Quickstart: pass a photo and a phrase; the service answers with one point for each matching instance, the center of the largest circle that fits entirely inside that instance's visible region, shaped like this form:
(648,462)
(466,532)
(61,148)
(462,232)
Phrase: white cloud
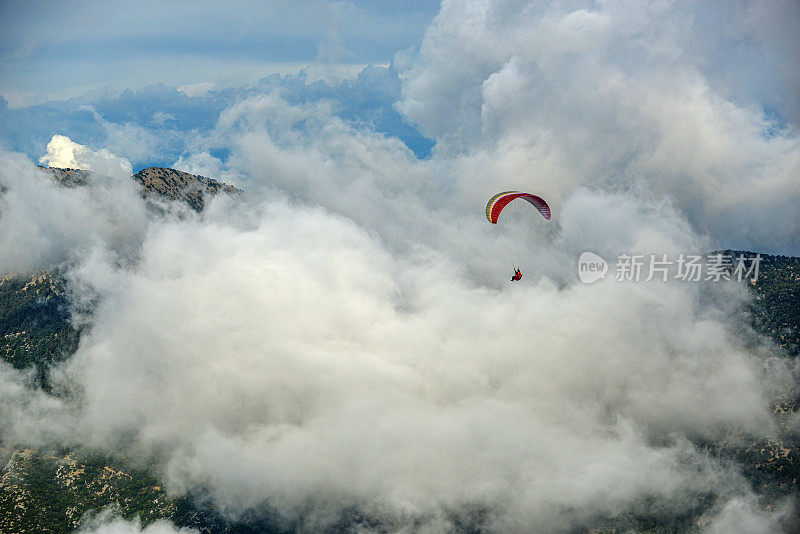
(43,224)
(551,96)
(197,89)
(289,356)
(64,153)
(129,139)
(204,164)
(310,154)
(107,522)
(743,515)
(335,357)
(29,417)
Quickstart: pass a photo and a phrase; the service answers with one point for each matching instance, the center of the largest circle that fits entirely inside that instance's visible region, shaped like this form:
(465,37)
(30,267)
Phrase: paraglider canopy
(517,224)
(501,200)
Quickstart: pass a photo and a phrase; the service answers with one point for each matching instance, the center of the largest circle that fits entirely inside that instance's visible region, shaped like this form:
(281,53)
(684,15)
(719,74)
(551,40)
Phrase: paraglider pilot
(496,205)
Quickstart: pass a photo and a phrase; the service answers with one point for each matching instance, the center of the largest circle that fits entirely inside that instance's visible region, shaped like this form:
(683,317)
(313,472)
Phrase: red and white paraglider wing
(501,200)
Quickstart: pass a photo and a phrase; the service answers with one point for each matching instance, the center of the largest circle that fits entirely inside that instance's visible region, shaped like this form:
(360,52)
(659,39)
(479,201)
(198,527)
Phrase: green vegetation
(35,330)
(776,307)
(52,493)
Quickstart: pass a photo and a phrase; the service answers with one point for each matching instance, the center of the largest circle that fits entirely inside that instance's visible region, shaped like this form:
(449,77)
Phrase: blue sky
(54,50)
(76,67)
(172,116)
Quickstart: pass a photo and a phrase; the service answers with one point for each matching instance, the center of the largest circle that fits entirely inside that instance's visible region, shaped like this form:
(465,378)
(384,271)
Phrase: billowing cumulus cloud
(285,355)
(343,337)
(296,355)
(64,153)
(309,153)
(43,224)
(558,94)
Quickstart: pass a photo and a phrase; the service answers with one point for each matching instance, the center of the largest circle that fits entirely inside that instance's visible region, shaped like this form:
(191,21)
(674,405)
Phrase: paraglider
(516,224)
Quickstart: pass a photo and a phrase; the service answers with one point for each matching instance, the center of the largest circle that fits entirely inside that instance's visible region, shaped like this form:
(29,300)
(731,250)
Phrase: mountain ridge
(163,182)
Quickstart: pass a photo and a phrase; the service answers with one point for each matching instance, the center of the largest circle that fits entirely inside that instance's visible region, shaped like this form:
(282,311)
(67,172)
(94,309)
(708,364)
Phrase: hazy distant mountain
(167,183)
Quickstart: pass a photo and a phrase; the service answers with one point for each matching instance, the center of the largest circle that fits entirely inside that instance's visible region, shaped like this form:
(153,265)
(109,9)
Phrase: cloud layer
(43,224)
(344,337)
(292,359)
(560,95)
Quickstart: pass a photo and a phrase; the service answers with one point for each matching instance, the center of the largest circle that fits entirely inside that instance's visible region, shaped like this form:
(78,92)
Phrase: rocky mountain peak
(179,185)
(160,181)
